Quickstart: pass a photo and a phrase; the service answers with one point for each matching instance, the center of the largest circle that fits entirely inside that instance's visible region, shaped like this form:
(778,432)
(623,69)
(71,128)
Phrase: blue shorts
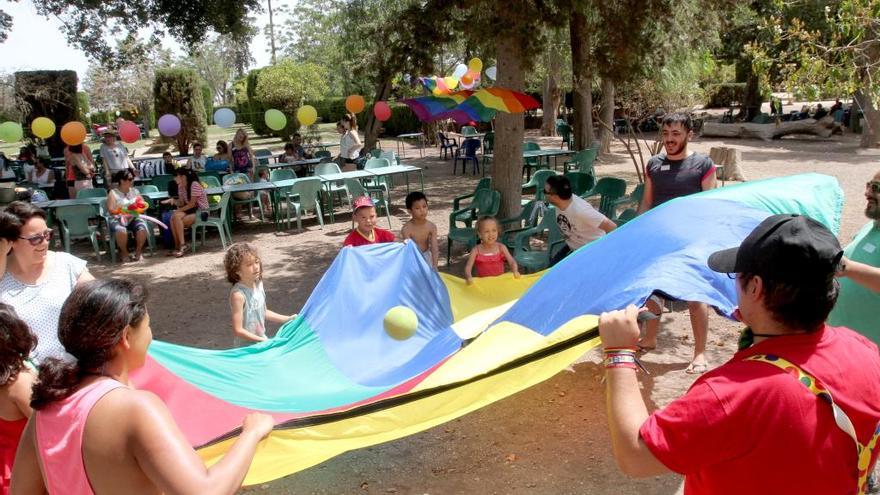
(134,224)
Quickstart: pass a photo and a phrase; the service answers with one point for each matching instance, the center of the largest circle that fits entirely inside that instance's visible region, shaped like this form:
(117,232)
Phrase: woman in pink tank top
(16,380)
(91,433)
(488,256)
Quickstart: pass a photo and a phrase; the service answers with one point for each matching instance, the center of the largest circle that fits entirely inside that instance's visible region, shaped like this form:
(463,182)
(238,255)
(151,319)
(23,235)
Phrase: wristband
(623,359)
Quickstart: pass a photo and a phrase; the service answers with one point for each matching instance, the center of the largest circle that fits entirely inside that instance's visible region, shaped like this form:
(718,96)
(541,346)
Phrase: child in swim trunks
(419,229)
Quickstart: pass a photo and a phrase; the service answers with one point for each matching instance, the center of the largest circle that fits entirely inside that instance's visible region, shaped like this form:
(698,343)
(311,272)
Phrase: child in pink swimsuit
(16,380)
(488,256)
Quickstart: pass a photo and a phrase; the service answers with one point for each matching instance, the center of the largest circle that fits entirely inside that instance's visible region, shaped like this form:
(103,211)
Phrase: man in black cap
(764,422)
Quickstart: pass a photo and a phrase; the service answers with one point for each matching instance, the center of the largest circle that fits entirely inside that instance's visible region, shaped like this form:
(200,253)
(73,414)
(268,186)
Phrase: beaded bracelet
(622,357)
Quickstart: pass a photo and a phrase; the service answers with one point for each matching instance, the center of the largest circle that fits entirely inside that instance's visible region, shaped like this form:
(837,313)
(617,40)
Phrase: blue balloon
(224,117)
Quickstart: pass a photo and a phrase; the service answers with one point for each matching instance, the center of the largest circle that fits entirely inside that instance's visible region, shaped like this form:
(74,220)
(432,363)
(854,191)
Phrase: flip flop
(697,369)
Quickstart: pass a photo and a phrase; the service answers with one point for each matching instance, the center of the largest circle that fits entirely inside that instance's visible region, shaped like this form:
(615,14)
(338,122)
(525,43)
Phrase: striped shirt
(199,193)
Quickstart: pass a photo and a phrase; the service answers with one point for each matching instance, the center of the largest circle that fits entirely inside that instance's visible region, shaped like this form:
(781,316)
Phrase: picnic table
(411,135)
(546,154)
(323,146)
(309,163)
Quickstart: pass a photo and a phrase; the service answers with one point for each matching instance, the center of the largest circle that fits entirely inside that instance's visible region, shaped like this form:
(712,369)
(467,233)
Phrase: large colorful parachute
(335,381)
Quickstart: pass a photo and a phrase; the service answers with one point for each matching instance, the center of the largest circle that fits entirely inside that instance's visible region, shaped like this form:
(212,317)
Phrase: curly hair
(16,344)
(235,256)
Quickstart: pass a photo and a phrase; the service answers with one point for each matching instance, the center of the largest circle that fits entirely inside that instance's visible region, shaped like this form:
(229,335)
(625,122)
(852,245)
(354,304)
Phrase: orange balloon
(73,133)
(467,79)
(355,103)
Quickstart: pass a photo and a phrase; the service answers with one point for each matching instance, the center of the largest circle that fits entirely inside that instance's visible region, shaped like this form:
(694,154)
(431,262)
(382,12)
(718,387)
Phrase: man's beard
(677,150)
(872,211)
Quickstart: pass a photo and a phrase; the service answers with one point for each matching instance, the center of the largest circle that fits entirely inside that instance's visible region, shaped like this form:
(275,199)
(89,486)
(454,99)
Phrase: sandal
(645,348)
(697,368)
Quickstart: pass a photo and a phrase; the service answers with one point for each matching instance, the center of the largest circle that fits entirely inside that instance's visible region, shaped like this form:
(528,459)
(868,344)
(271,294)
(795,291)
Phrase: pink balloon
(129,132)
(382,111)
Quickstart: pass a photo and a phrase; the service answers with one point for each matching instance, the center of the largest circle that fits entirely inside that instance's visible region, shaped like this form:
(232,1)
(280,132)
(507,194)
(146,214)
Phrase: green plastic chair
(377,183)
(337,188)
(582,161)
(375,153)
(468,130)
(486,202)
(147,188)
(625,216)
(277,176)
(581,182)
(263,156)
(467,217)
(564,130)
(74,222)
(255,195)
(488,148)
(537,182)
(306,191)
(162,181)
(609,190)
(323,154)
(111,238)
(534,260)
(530,164)
(357,190)
(91,193)
(216,218)
(211,181)
(527,218)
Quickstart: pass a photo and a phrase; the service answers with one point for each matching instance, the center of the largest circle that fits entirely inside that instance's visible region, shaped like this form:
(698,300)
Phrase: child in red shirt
(366,232)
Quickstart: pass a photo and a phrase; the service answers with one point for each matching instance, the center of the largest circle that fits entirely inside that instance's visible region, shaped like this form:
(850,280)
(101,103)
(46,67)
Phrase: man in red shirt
(366,231)
(764,422)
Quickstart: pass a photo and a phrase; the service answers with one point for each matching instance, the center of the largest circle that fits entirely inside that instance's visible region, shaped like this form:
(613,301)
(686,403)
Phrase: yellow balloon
(307,115)
(437,91)
(451,82)
(43,127)
(400,322)
(475,65)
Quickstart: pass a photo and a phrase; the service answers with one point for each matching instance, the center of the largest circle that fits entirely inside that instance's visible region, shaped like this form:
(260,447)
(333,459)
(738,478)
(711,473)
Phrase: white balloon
(224,117)
(491,72)
(460,70)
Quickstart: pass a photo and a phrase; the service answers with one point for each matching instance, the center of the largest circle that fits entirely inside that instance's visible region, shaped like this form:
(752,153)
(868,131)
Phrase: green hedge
(178,92)
(48,93)
(208,101)
(725,94)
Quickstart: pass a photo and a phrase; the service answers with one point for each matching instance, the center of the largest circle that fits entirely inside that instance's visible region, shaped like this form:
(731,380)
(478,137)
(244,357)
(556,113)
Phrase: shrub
(725,94)
(47,93)
(208,101)
(284,87)
(178,92)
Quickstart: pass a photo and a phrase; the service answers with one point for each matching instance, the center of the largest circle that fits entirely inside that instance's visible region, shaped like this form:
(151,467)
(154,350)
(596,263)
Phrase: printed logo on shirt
(869,248)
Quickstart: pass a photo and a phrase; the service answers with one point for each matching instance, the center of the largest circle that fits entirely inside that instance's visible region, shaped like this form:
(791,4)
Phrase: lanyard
(840,418)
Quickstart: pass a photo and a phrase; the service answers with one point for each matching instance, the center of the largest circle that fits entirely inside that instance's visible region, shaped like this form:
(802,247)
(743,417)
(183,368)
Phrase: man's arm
(647,196)
(625,407)
(607,225)
(865,275)
(710,181)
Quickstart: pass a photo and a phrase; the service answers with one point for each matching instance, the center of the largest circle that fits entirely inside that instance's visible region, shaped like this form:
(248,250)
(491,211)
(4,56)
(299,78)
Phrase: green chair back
(535,260)
(76,218)
(323,154)
(308,190)
(327,168)
(162,181)
(609,189)
(376,163)
(489,142)
(147,188)
(210,180)
(537,181)
(530,146)
(263,156)
(375,153)
(581,182)
(487,202)
(91,193)
(468,130)
(281,174)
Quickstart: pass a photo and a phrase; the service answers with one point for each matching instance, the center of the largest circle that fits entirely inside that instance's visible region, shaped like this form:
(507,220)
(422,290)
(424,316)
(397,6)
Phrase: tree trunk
(823,128)
(607,115)
(871,127)
(581,81)
(508,162)
(373,126)
(551,92)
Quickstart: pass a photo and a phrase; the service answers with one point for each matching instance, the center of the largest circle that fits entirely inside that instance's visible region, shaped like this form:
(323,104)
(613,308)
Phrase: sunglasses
(35,240)
(874,186)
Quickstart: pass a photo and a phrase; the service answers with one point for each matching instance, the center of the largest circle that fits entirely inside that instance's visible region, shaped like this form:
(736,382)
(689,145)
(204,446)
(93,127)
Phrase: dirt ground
(549,439)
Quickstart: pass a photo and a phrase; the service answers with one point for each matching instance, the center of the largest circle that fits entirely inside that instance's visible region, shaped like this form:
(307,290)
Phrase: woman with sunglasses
(122,196)
(34,280)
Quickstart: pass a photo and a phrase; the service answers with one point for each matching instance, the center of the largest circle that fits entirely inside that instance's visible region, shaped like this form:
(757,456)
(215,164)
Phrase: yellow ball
(400,322)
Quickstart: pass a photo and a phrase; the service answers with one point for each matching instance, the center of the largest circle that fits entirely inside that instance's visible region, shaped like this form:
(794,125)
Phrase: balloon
(467,80)
(400,322)
(169,125)
(43,127)
(11,132)
(475,65)
(224,117)
(355,103)
(129,131)
(73,133)
(307,115)
(492,72)
(275,119)
(450,82)
(437,91)
(459,71)
(382,111)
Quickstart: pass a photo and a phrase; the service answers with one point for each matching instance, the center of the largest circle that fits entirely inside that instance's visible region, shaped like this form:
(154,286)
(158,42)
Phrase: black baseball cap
(783,248)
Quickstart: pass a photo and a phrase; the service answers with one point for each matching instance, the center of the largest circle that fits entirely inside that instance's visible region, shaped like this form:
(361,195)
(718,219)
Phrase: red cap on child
(362,202)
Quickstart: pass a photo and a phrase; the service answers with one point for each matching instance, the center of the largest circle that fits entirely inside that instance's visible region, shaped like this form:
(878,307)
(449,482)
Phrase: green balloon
(11,132)
(275,119)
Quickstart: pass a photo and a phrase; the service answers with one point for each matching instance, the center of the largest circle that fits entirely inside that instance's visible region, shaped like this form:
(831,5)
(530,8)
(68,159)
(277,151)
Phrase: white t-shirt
(47,178)
(115,157)
(197,164)
(350,140)
(579,223)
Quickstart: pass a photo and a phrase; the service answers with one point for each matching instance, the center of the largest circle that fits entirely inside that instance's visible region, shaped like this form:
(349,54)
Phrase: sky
(37,43)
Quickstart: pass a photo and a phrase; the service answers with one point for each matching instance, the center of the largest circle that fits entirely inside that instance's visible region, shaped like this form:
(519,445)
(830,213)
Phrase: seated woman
(33,276)
(123,196)
(42,175)
(91,432)
(191,198)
